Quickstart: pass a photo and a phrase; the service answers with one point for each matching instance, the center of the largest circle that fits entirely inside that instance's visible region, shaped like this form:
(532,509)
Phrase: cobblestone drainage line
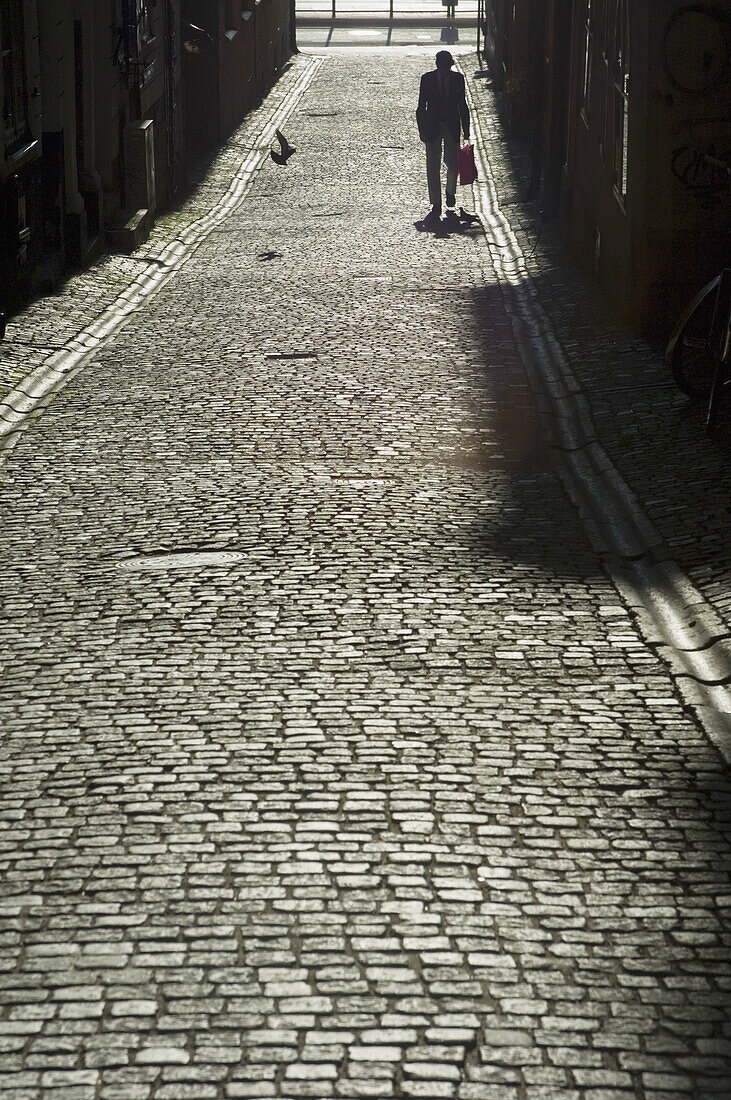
(673,615)
(27,401)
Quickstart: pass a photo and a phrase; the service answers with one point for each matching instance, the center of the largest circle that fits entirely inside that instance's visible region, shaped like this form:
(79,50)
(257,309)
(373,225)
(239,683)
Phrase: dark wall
(225,77)
(612,173)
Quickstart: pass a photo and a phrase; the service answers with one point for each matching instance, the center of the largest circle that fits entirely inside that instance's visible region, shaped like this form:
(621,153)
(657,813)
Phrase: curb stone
(672,614)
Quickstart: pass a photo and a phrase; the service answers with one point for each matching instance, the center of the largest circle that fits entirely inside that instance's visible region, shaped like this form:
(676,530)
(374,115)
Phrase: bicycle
(699,350)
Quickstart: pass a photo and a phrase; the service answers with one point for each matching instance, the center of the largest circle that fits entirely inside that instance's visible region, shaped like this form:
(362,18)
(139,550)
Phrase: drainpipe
(93,181)
(571,101)
(131,57)
(170,34)
(293,26)
(537,92)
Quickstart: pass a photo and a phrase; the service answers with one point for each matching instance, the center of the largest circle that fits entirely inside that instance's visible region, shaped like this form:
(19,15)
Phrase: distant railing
(412,9)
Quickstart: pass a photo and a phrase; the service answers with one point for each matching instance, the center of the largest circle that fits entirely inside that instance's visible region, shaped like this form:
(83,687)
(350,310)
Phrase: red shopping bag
(467,166)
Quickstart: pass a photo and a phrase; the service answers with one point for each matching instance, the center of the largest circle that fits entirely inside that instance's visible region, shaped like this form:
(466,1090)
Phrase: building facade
(625,105)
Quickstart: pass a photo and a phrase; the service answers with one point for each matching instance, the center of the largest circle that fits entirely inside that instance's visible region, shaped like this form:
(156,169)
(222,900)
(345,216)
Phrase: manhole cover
(194,559)
(292,355)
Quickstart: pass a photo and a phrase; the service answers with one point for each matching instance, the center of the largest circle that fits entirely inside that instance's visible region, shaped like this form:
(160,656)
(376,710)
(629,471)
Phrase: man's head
(444,60)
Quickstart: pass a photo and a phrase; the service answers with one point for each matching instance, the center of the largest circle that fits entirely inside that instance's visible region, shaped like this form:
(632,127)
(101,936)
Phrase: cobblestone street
(336,759)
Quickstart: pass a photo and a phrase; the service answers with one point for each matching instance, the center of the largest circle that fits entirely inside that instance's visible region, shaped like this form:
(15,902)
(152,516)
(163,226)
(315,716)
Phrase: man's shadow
(462,224)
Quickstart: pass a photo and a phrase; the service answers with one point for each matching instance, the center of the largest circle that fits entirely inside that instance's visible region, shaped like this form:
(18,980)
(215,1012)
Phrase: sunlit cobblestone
(398,803)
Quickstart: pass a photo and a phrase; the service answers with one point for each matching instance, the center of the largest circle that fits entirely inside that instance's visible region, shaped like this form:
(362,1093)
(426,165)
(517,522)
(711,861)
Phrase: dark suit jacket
(434,108)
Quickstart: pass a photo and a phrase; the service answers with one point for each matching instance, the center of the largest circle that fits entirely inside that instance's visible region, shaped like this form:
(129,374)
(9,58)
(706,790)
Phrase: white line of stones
(672,613)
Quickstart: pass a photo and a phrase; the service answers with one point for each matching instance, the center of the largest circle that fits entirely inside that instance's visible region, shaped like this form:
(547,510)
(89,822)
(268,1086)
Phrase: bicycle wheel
(692,359)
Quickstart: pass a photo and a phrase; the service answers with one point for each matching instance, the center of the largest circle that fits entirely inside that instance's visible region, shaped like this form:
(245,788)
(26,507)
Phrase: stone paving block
(241,1089)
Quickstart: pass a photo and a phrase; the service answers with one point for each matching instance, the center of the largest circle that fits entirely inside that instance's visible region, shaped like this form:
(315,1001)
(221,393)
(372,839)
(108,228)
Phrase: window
(588,56)
(15,99)
(621,96)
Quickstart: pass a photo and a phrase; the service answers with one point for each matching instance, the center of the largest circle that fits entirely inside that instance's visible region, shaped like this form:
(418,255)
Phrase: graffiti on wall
(705,173)
(697,64)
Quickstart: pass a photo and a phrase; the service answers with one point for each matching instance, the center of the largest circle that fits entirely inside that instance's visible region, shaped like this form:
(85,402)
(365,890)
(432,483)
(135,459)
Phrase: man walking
(441,111)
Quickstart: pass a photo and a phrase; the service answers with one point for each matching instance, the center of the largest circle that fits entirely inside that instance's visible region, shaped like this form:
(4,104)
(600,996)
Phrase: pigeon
(3,323)
(196,39)
(285,149)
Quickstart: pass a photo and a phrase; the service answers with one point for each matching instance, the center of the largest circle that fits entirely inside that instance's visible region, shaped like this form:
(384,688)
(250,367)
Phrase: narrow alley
(342,755)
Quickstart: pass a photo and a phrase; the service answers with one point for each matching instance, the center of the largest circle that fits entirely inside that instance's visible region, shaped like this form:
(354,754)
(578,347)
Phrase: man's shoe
(451,199)
(434,214)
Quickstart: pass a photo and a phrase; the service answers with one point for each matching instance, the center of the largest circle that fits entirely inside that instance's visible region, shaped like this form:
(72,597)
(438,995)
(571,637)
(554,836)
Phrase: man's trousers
(433,167)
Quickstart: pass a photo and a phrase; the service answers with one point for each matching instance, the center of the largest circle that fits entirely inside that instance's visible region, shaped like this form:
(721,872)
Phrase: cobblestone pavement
(394,801)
